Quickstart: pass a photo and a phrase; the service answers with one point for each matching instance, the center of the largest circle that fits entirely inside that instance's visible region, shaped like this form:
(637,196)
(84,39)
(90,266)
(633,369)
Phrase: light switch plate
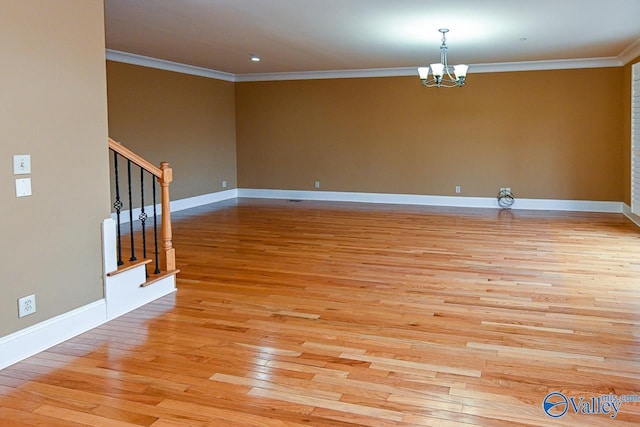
(23,187)
(21,164)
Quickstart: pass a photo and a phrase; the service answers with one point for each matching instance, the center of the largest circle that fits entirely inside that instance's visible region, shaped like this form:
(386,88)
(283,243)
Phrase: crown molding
(161,64)
(558,64)
(562,64)
(631,52)
(329,74)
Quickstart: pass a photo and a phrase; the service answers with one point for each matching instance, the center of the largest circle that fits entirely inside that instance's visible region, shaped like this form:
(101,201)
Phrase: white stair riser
(123,292)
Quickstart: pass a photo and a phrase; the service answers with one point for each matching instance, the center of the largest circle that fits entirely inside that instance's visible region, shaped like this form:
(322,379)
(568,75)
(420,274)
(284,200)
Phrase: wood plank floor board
(17,418)
(338,314)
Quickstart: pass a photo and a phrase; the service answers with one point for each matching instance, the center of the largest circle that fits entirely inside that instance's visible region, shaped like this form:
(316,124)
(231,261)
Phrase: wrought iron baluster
(143,219)
(155,229)
(118,207)
(133,252)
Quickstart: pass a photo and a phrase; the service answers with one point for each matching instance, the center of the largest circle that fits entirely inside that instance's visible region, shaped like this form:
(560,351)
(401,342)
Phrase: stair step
(128,265)
(156,277)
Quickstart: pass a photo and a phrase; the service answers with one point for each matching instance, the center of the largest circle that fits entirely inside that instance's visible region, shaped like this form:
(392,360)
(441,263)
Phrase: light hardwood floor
(334,314)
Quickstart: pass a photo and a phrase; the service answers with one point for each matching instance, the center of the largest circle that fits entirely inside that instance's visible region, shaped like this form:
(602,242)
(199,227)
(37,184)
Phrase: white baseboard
(388,198)
(34,339)
(179,205)
(204,199)
(626,210)
(426,200)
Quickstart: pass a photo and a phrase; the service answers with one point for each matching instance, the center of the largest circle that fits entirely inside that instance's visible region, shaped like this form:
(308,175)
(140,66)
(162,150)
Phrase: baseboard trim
(626,210)
(385,198)
(179,205)
(204,199)
(427,200)
(34,339)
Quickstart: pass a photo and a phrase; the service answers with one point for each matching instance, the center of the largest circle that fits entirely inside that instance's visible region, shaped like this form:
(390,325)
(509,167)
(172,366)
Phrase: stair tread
(156,277)
(128,265)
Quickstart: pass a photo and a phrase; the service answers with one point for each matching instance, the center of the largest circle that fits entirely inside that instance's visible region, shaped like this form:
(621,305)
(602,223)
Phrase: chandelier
(441,72)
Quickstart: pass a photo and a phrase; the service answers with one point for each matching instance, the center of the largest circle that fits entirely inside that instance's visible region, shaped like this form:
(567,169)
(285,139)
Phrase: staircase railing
(164,258)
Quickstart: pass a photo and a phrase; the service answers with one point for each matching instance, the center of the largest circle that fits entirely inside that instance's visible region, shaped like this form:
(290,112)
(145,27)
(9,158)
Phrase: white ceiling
(321,35)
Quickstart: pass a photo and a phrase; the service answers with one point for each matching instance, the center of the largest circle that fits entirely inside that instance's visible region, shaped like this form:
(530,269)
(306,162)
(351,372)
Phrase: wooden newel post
(168,261)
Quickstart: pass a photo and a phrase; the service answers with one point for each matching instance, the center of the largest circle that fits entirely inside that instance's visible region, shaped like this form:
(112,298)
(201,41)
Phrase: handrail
(164,175)
(128,154)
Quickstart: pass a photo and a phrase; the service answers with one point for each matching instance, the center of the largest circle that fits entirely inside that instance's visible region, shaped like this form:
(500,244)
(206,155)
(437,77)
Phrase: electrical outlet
(458,189)
(224,184)
(317,184)
(26,305)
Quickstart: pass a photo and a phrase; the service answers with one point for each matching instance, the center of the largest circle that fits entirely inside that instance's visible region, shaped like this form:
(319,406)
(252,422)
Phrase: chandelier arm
(443,83)
(446,68)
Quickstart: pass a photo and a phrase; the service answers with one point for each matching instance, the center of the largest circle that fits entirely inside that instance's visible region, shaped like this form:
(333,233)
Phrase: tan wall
(545,134)
(53,107)
(626,132)
(186,120)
